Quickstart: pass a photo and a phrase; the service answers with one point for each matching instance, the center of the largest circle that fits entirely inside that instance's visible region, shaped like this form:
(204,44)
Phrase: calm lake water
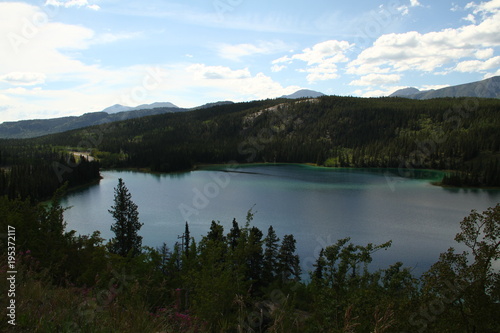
(317,205)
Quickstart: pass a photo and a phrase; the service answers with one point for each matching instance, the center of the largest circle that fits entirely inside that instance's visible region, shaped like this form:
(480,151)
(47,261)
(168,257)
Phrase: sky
(69,57)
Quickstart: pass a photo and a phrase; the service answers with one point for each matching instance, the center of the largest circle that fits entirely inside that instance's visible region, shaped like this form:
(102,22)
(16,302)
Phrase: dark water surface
(317,205)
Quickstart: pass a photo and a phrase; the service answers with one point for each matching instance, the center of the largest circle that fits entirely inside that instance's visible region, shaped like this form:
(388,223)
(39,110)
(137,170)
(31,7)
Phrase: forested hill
(459,134)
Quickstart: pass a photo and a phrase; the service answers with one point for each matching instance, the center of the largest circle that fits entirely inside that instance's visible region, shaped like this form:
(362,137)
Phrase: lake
(317,205)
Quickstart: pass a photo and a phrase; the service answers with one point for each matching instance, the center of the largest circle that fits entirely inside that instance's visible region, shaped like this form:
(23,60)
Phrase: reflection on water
(317,205)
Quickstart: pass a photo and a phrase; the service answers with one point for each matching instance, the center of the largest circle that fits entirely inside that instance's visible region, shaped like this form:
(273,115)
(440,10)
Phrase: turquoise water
(317,205)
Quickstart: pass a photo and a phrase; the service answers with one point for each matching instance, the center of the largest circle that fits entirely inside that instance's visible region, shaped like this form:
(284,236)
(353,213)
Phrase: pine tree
(270,255)
(254,254)
(288,261)
(234,235)
(319,265)
(127,225)
(164,257)
(186,240)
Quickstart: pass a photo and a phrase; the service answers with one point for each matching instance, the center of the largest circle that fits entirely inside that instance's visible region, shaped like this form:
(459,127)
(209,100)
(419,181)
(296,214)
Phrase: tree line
(453,134)
(36,172)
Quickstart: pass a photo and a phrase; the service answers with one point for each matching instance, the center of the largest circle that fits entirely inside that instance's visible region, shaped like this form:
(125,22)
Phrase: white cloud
(484,53)
(376,80)
(17,91)
(488,75)
(477,65)
(236,52)
(23,78)
(237,85)
(326,70)
(107,38)
(487,7)
(38,47)
(277,68)
(374,93)
(404,10)
(471,18)
(321,59)
(433,86)
(38,50)
(72,3)
(43,46)
(430,51)
(332,51)
(204,72)
(284,59)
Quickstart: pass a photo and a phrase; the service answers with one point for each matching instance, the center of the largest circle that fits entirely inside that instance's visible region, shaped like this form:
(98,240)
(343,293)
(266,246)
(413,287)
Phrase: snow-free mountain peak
(122,108)
(117,108)
(488,88)
(405,92)
(303,93)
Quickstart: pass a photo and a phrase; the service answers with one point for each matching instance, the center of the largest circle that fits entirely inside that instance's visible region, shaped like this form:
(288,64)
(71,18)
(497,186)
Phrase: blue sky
(69,57)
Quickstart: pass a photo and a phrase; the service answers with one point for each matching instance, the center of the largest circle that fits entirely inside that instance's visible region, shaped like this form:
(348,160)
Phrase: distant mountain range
(489,88)
(122,108)
(24,129)
(38,127)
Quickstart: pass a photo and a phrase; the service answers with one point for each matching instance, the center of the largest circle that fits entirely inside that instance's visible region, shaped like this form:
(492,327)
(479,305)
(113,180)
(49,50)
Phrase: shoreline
(205,166)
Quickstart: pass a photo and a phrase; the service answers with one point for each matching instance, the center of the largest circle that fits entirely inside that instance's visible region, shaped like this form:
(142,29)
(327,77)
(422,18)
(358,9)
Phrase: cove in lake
(317,205)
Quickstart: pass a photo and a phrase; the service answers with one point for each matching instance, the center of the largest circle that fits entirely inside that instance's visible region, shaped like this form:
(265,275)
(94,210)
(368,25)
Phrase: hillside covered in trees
(457,134)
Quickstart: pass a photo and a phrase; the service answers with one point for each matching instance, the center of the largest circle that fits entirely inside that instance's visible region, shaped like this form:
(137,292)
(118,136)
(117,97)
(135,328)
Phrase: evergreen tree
(271,243)
(164,257)
(186,240)
(254,254)
(288,261)
(174,264)
(127,225)
(319,265)
(234,235)
(216,233)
